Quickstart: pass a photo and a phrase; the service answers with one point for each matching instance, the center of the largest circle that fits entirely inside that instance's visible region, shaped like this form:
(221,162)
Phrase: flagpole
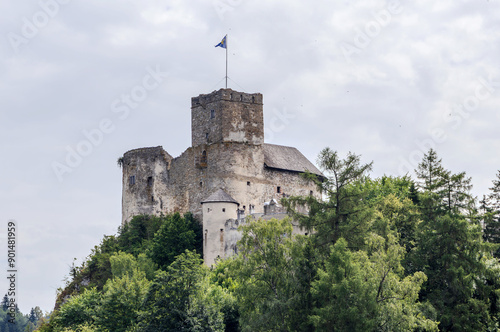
(226,61)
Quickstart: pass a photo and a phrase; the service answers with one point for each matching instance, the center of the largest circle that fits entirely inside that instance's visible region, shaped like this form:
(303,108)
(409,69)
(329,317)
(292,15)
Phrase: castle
(226,174)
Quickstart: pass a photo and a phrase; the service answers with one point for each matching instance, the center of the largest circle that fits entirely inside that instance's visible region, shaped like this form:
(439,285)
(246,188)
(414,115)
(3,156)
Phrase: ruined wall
(145,174)
(164,184)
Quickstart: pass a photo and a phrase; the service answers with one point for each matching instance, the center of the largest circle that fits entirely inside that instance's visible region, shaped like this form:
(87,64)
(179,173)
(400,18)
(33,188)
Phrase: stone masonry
(227,152)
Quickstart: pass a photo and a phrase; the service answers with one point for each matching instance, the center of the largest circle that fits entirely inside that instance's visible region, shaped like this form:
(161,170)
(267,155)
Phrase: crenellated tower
(226,116)
(227,152)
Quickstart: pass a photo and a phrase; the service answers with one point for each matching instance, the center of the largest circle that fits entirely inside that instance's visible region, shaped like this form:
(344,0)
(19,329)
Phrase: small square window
(223,210)
(248,183)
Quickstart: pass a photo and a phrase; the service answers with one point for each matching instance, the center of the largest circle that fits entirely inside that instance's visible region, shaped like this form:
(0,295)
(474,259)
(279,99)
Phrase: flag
(222,43)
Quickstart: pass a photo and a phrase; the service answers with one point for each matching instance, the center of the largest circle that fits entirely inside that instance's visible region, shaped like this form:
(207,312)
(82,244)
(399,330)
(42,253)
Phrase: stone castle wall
(180,184)
(227,152)
(227,116)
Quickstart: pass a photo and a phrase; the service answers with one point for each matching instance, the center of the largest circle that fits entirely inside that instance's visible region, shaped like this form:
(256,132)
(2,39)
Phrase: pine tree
(5,303)
(491,216)
(342,214)
(414,194)
(443,191)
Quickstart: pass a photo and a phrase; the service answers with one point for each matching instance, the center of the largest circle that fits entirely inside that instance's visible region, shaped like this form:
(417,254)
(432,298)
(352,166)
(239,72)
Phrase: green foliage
(443,192)
(98,268)
(136,235)
(463,281)
(183,299)
(121,301)
(361,291)
(385,254)
(454,257)
(491,216)
(344,213)
(17,323)
(174,237)
(123,264)
(272,275)
(77,311)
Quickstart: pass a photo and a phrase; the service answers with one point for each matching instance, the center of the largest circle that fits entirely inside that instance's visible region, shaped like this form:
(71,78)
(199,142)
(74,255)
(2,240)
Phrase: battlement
(227,116)
(227,95)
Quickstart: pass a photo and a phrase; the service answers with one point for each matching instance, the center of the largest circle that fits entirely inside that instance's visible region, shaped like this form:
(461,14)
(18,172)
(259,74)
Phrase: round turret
(217,209)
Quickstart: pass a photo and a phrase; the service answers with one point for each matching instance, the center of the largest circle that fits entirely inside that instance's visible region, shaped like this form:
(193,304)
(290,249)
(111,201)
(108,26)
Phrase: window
(248,183)
(150,181)
(201,184)
(206,135)
(278,189)
(223,210)
(241,97)
(152,199)
(212,114)
(203,157)
(311,193)
(132,180)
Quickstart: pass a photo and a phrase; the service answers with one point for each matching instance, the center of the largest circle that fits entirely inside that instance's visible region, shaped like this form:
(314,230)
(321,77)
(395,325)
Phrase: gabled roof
(219,196)
(287,158)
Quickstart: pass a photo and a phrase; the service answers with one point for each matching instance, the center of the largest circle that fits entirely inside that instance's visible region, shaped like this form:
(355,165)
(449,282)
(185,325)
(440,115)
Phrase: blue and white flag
(223,43)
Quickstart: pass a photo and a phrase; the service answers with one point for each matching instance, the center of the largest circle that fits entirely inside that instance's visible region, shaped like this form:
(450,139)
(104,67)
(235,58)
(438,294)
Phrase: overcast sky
(82,82)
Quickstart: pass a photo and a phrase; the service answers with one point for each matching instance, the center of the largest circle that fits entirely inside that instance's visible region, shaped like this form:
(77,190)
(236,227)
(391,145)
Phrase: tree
(365,291)
(122,301)
(491,215)
(180,299)
(5,303)
(343,214)
(463,278)
(125,264)
(443,192)
(273,272)
(137,234)
(173,238)
(78,310)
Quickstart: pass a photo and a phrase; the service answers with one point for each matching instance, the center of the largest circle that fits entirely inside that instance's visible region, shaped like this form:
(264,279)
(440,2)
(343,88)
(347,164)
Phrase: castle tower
(228,151)
(217,209)
(144,173)
(227,116)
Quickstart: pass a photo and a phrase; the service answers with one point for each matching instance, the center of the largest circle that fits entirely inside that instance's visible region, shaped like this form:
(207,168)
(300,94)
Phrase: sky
(82,82)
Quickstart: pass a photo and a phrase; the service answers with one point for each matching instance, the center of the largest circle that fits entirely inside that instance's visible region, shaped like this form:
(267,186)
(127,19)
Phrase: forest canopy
(386,254)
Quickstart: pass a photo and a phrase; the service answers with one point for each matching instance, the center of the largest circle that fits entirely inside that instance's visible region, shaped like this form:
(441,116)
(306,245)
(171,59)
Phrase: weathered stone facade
(228,152)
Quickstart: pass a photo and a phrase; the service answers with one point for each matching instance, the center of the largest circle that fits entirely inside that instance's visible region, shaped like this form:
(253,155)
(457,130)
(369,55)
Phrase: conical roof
(219,196)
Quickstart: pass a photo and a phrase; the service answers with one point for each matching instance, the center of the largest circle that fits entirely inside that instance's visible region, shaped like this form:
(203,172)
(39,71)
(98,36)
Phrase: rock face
(228,152)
